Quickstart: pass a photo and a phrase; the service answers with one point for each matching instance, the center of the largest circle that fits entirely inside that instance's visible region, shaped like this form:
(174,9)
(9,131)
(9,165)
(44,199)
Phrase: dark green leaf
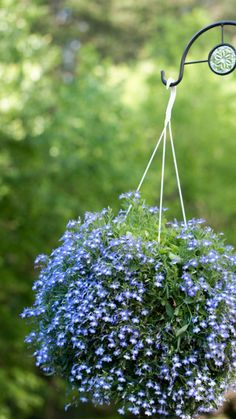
(169,310)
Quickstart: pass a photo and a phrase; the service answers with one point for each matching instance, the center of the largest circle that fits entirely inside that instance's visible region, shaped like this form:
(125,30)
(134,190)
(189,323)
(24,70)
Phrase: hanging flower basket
(139,312)
(126,319)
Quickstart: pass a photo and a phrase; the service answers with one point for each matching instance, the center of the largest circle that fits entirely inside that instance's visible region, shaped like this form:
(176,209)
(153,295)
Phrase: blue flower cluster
(124,319)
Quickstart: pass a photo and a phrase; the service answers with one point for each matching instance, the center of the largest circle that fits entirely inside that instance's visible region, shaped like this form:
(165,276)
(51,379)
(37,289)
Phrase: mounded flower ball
(124,319)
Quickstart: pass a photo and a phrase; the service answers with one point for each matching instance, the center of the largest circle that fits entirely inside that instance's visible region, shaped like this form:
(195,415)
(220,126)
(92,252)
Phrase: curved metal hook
(221,23)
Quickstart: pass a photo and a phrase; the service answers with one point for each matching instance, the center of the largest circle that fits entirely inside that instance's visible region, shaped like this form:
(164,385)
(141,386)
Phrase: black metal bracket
(221,59)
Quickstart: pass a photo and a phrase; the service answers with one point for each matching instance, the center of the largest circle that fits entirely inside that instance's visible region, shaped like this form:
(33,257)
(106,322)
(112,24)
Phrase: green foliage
(127,30)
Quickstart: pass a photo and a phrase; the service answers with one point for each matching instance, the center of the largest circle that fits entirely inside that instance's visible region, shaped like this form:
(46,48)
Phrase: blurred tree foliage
(81,104)
(122,29)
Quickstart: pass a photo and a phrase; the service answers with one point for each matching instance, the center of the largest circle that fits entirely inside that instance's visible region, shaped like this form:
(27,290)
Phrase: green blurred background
(81,105)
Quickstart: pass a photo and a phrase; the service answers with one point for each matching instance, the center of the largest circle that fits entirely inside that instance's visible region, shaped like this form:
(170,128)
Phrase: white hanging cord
(148,165)
(164,135)
(171,100)
(168,115)
(177,175)
(167,122)
(162,185)
(151,159)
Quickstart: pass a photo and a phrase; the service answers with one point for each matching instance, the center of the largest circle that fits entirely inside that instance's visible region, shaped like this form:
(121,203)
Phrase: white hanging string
(151,159)
(167,121)
(177,175)
(164,136)
(148,165)
(162,185)
(170,104)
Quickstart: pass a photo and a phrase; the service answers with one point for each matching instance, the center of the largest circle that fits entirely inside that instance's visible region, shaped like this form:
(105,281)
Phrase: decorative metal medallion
(222,59)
